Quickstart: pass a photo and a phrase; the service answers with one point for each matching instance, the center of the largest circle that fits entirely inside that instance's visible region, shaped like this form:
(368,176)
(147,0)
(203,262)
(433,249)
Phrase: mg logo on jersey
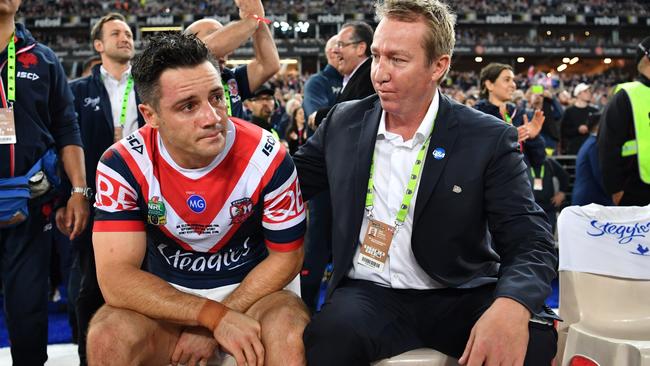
(196,203)
(240,210)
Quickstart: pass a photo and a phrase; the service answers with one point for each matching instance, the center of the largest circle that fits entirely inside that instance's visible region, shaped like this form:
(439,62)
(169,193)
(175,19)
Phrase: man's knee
(283,324)
(335,338)
(111,337)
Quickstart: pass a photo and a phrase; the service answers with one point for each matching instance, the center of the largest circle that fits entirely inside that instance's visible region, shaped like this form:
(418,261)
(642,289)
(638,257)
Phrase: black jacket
(93,107)
(475,217)
(358,87)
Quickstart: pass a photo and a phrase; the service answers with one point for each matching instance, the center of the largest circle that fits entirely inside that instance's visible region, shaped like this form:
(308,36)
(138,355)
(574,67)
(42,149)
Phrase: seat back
(604,272)
(419,357)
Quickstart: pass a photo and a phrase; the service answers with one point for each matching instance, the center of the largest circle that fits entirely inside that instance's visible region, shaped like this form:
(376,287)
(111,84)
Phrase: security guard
(624,139)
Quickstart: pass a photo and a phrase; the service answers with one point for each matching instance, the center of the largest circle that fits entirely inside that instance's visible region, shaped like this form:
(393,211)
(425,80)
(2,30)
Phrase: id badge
(537,184)
(375,245)
(117,136)
(7,126)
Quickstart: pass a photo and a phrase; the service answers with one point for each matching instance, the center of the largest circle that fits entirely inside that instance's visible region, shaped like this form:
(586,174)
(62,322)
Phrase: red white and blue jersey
(207,227)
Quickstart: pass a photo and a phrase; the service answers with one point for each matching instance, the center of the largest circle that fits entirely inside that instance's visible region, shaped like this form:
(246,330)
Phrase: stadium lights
(574,60)
(566,60)
(587,33)
(478,59)
(561,68)
(548,75)
(521,60)
(607,61)
(548,33)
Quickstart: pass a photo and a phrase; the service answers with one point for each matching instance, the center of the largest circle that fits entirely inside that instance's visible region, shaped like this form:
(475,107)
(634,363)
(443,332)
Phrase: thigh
(446,316)
(360,323)
(138,338)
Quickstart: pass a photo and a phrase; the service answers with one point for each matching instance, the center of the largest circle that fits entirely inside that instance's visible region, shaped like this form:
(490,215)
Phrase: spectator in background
(550,183)
(353,51)
(497,88)
(588,185)
(88,64)
(574,121)
(542,99)
(107,106)
(296,133)
(39,126)
(624,139)
(222,41)
(322,88)
(262,104)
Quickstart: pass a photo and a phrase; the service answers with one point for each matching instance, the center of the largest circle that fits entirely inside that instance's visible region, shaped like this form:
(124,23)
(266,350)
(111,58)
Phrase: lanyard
(541,174)
(125,100)
(226,91)
(11,72)
(410,187)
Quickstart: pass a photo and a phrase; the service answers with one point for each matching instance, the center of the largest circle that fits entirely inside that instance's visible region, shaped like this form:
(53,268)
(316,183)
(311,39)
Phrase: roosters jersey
(207,227)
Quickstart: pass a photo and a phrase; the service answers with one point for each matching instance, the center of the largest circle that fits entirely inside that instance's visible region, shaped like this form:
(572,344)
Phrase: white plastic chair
(419,357)
(606,317)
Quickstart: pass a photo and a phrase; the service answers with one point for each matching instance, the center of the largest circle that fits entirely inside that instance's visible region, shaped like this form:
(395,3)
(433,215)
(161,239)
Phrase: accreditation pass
(375,245)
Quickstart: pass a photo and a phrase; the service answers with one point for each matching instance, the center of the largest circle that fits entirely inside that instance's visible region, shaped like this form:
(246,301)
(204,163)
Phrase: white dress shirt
(346,78)
(115,89)
(394,160)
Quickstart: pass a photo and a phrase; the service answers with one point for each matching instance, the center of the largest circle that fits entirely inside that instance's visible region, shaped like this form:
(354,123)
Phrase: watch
(87,192)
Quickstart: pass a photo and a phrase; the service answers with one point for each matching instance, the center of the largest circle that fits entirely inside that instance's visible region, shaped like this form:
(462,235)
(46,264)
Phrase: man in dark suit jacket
(437,241)
(353,50)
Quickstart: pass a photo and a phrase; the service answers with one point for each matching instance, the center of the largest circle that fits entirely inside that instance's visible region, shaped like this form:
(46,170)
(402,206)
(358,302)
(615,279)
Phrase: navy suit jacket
(491,230)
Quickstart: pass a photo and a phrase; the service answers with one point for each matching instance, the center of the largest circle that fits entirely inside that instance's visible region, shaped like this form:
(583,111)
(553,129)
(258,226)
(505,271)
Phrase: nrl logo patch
(156,211)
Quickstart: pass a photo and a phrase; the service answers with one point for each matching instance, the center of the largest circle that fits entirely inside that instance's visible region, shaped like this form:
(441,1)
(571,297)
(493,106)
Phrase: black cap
(643,49)
(265,89)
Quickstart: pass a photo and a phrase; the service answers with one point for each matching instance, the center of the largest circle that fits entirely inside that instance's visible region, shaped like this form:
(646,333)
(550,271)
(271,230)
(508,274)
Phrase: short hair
(90,62)
(166,51)
(96,31)
(362,33)
(491,72)
(440,20)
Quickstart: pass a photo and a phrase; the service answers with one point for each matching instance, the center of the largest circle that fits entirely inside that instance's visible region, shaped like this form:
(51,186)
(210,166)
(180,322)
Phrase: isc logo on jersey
(196,203)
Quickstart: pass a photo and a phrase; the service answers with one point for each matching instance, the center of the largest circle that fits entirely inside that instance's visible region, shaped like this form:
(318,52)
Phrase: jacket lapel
(444,136)
(367,132)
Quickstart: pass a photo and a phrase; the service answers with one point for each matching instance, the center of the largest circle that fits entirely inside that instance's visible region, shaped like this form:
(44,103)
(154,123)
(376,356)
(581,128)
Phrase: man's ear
(440,67)
(99,46)
(149,114)
(361,49)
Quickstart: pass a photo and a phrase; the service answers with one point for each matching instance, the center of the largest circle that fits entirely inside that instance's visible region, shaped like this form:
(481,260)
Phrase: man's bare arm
(271,275)
(118,256)
(227,39)
(266,62)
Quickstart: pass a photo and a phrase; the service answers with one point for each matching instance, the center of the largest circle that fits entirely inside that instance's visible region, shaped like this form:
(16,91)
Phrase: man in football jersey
(213,205)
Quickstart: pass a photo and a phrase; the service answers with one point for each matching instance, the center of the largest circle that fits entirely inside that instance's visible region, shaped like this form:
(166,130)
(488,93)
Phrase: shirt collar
(423,130)
(346,78)
(106,75)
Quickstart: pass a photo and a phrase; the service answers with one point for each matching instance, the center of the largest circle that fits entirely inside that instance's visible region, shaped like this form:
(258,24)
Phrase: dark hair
(96,31)
(166,51)
(362,33)
(90,61)
(491,72)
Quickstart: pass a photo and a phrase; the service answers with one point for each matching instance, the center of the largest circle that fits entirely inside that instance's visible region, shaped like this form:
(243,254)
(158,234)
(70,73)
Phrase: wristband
(260,19)
(211,314)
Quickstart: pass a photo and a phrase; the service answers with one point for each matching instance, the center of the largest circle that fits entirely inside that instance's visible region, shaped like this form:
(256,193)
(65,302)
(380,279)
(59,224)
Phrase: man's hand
(195,346)
(558,198)
(523,133)
(73,218)
(250,7)
(239,335)
(583,129)
(311,121)
(499,337)
(534,126)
